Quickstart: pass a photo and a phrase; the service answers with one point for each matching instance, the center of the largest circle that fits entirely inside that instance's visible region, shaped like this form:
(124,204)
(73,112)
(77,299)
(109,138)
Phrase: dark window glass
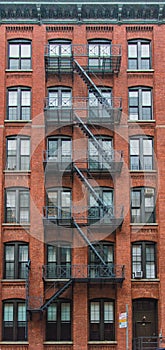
(16,258)
(58,322)
(59,204)
(14,320)
(17,206)
(58,261)
(102,321)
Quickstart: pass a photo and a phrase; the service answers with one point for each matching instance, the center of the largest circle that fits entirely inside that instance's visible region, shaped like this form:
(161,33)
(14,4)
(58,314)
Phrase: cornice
(82,12)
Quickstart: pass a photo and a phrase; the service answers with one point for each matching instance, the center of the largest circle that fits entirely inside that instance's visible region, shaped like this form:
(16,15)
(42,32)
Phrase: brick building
(82,170)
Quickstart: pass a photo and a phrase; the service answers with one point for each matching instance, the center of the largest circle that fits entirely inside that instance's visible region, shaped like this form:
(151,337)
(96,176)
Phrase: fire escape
(67,275)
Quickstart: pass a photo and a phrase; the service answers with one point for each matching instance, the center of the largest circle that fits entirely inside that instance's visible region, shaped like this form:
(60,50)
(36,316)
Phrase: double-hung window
(97,269)
(14,320)
(97,157)
(59,204)
(141,153)
(18,153)
(143,260)
(16,258)
(143,205)
(58,321)
(59,104)
(96,211)
(19,103)
(102,320)
(59,149)
(139,54)
(19,54)
(97,109)
(17,205)
(140,103)
(60,55)
(58,261)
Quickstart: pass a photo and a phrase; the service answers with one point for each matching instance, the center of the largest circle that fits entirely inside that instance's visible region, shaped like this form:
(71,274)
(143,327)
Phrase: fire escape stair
(92,87)
(56,295)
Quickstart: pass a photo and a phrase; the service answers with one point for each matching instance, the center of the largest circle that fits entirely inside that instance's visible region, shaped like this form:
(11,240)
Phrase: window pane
(9,253)
(146,98)
(134,147)
(105,50)
(135,198)
(66,98)
(108,312)
(14,50)
(147,147)
(25,149)
(107,198)
(23,253)
(52,254)
(54,49)
(21,312)
(8,312)
(53,99)
(65,312)
(95,312)
(93,50)
(25,50)
(65,50)
(52,313)
(132,51)
(12,98)
(65,199)
(25,98)
(145,50)
(133,98)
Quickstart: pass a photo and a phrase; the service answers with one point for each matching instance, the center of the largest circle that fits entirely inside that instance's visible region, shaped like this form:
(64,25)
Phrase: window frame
(106,251)
(104,217)
(139,58)
(19,266)
(18,103)
(59,43)
(57,210)
(57,266)
(59,157)
(140,106)
(100,324)
(97,110)
(14,333)
(18,156)
(144,193)
(19,58)
(17,207)
(57,331)
(100,162)
(99,58)
(60,90)
(141,156)
(139,262)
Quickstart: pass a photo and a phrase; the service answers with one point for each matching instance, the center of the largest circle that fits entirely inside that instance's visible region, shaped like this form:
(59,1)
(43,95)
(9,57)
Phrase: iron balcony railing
(108,271)
(108,62)
(86,215)
(94,163)
(89,110)
(149,342)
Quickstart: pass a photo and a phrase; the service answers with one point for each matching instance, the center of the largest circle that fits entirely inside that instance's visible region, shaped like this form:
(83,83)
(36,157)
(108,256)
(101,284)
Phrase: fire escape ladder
(86,239)
(92,87)
(93,192)
(56,295)
(97,244)
(92,138)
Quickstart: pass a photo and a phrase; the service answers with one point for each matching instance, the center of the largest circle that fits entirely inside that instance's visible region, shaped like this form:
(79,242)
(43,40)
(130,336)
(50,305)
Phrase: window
(19,103)
(60,97)
(106,251)
(143,260)
(58,323)
(17,205)
(96,212)
(60,48)
(102,325)
(141,153)
(14,320)
(98,110)
(96,157)
(18,153)
(140,103)
(59,261)
(19,54)
(139,54)
(16,258)
(99,52)
(59,204)
(60,149)
(143,205)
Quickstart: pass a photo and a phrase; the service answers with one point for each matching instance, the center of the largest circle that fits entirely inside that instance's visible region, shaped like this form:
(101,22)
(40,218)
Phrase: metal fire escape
(96,247)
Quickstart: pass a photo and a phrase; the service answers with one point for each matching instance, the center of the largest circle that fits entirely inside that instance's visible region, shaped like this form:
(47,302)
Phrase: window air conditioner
(138,274)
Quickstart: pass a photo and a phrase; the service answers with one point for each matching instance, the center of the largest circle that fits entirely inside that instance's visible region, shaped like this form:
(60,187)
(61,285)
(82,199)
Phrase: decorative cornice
(73,11)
